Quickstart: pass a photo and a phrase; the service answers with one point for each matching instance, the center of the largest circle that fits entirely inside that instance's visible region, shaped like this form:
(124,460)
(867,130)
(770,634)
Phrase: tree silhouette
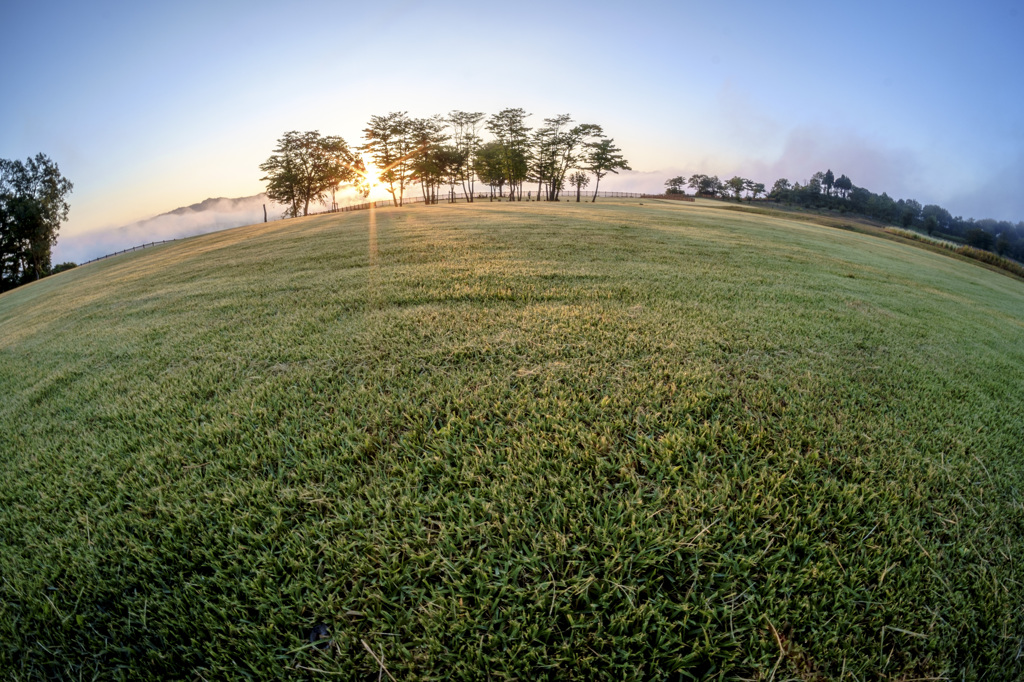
(579,180)
(33,204)
(304,166)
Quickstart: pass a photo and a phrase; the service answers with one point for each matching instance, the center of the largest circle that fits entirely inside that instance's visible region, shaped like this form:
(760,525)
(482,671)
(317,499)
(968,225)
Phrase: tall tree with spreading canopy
(341,166)
(391,141)
(571,147)
(780,189)
(603,157)
(755,188)
(542,157)
(737,185)
(557,149)
(431,162)
(844,186)
(675,185)
(513,139)
(487,161)
(466,128)
(706,185)
(828,181)
(33,204)
(304,167)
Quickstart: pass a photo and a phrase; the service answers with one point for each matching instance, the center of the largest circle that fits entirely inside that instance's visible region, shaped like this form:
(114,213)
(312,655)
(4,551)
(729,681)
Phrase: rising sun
(370,181)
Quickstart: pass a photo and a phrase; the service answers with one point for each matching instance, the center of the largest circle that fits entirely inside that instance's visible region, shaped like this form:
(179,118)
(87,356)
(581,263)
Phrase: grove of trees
(33,204)
(445,152)
(826,191)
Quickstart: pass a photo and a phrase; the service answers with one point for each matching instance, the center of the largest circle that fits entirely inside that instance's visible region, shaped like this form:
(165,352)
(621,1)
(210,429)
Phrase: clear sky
(151,106)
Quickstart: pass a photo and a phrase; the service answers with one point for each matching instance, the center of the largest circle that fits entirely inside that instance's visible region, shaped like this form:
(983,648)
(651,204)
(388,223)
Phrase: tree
(827,181)
(557,149)
(675,185)
(466,138)
(513,139)
(61,267)
(844,185)
(360,181)
(391,142)
(33,204)
(487,163)
(340,166)
(815,184)
(579,180)
(979,238)
(602,158)
(737,185)
(1002,245)
(755,188)
(304,166)
(436,166)
(542,157)
(430,165)
(781,185)
(706,185)
(909,211)
(451,161)
(937,216)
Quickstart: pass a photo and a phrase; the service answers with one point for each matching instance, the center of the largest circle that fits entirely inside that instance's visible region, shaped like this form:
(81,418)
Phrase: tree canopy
(513,145)
(602,158)
(304,167)
(33,204)
(443,150)
(391,142)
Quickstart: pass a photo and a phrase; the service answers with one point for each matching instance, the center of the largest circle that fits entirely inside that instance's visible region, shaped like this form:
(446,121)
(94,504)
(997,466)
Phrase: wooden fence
(455,197)
(134,248)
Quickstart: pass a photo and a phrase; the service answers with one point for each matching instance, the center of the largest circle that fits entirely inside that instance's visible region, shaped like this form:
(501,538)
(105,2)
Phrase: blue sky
(147,107)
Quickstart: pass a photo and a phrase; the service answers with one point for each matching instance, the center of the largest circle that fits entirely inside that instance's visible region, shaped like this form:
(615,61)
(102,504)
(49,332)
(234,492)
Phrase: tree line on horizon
(440,151)
(826,191)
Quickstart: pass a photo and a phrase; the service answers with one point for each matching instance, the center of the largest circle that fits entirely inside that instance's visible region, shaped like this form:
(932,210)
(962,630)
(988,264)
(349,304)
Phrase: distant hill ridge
(214,203)
(209,215)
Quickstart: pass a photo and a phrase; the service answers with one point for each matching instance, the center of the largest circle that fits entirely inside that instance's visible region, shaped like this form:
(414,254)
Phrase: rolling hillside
(495,441)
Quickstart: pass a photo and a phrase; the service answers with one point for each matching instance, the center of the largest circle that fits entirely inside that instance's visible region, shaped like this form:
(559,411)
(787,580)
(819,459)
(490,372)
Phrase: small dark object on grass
(319,632)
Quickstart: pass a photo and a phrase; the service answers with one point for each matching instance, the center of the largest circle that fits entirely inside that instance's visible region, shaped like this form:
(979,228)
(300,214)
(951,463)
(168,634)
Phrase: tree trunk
(597,184)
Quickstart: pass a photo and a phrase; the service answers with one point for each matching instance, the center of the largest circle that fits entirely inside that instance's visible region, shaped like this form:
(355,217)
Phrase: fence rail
(453,197)
(134,248)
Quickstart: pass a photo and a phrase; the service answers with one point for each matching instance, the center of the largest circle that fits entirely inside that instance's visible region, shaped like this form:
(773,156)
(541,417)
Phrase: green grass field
(494,441)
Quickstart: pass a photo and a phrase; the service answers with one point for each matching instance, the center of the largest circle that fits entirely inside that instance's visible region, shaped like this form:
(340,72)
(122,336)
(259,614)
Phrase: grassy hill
(500,441)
